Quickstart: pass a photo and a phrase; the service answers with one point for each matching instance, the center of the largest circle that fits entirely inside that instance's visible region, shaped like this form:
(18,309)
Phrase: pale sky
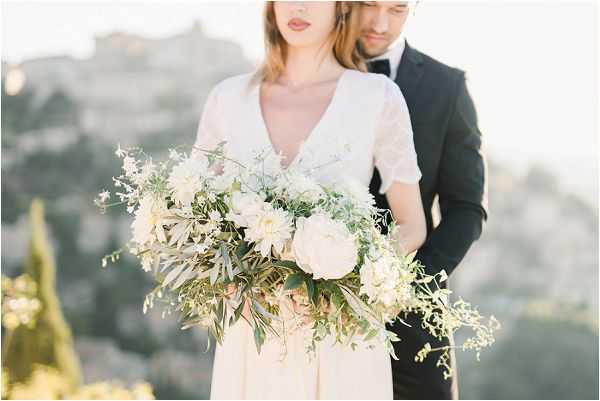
(532,66)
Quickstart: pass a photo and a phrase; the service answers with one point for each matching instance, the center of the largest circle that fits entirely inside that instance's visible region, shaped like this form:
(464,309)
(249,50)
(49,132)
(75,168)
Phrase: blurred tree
(14,107)
(58,110)
(542,358)
(51,343)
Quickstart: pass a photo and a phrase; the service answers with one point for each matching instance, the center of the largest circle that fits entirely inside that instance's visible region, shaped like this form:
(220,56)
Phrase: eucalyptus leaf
(177,231)
(293,281)
(221,309)
(371,334)
(214,273)
(203,274)
(336,300)
(360,308)
(183,277)
(168,221)
(191,323)
(184,237)
(167,263)
(226,260)
(285,263)
(259,337)
(238,312)
(225,235)
(160,233)
(173,274)
(259,308)
(242,249)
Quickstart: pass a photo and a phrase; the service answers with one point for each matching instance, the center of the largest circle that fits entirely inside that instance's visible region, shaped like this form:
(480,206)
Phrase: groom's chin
(370,51)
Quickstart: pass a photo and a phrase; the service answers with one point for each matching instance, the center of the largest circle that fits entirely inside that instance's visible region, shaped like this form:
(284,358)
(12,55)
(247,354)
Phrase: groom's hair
(344,40)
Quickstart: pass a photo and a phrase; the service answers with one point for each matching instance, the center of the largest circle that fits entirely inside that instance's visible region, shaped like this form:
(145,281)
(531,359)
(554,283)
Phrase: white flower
(185,179)
(379,279)
(224,180)
(271,163)
(147,261)
(324,247)
(214,215)
(269,229)
(148,169)
(120,152)
(357,191)
(174,155)
(243,206)
(300,186)
(147,225)
(129,166)
(103,196)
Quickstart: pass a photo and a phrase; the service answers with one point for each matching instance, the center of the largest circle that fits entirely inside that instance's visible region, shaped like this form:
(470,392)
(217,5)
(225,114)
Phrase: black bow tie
(381,66)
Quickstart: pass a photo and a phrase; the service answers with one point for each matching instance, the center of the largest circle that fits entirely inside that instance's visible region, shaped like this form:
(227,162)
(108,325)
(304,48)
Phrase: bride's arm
(405,203)
(396,161)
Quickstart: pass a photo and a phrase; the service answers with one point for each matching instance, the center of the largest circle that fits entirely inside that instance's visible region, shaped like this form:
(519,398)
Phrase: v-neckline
(265,131)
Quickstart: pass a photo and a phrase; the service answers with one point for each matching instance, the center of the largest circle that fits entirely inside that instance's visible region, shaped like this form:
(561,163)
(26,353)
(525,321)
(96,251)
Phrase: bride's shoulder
(374,82)
(233,85)
(376,88)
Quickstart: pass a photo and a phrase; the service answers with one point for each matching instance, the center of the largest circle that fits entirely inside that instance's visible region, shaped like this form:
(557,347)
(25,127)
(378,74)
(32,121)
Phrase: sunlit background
(79,77)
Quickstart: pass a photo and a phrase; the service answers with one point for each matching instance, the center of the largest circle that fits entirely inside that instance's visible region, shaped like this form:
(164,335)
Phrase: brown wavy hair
(344,41)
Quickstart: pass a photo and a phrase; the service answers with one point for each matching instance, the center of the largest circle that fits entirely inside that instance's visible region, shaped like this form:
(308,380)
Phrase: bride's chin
(300,40)
(298,43)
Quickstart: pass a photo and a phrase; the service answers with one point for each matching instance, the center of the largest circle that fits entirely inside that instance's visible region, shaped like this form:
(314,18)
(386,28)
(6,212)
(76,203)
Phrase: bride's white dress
(366,124)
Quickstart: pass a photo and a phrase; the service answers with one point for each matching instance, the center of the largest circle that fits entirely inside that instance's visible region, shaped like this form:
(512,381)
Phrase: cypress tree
(50,343)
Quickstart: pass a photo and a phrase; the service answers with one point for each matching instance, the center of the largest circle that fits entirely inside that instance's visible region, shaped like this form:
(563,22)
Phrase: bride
(312,103)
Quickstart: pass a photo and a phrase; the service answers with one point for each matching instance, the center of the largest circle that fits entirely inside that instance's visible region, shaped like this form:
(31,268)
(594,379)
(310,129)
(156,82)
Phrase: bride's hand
(230,291)
(407,210)
(398,240)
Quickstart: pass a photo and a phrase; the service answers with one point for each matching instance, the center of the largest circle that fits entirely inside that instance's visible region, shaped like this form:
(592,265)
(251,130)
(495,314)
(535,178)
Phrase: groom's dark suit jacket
(448,145)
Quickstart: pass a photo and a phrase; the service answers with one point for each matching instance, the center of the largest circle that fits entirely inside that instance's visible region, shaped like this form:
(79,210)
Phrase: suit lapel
(410,72)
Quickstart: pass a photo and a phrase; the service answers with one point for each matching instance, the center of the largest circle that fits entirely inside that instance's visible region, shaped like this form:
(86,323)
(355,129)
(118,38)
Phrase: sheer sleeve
(210,132)
(394,150)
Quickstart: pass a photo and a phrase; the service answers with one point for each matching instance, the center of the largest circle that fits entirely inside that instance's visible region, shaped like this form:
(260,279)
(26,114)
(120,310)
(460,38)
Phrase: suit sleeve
(462,189)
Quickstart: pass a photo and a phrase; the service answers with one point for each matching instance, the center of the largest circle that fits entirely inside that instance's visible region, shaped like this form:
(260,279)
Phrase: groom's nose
(381,22)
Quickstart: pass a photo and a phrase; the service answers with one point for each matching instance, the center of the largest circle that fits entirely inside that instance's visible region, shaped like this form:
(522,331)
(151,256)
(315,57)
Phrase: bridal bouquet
(227,241)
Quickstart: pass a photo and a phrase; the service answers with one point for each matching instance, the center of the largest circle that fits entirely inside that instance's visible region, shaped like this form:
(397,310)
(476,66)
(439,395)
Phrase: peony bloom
(269,228)
(324,247)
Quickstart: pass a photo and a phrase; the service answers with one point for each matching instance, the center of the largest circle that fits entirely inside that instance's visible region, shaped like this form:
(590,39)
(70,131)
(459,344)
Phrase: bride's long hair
(344,41)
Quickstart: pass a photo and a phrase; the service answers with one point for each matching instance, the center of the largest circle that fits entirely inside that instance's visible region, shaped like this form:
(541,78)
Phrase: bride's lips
(298,24)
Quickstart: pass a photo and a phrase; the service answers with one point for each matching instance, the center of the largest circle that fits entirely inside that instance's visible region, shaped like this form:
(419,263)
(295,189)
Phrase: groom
(448,144)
